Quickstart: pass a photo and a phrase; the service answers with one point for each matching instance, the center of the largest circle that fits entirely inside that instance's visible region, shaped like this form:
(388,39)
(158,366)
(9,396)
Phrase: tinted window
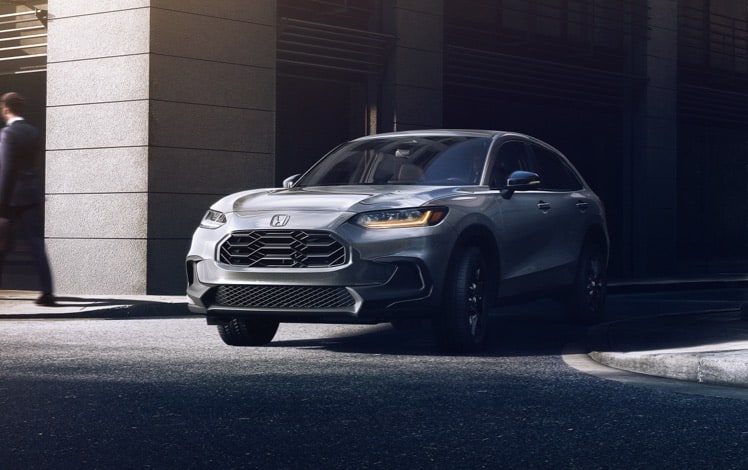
(510,157)
(426,160)
(555,175)
(461,163)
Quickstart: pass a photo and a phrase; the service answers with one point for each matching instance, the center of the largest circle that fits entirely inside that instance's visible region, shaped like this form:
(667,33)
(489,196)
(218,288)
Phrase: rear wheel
(248,331)
(586,300)
(461,326)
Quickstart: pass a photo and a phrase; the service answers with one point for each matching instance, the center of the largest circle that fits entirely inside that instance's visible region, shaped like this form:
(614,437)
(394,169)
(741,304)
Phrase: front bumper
(359,292)
(386,274)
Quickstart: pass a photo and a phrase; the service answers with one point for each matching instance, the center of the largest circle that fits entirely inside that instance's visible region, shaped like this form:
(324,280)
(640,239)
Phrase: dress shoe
(46,300)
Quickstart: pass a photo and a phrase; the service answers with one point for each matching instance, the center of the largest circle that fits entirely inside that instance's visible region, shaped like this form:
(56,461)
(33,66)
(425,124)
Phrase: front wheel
(248,331)
(585,301)
(462,324)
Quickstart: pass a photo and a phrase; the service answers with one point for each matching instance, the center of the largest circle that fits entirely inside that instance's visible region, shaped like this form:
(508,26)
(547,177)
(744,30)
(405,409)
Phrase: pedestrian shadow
(83,307)
(67,301)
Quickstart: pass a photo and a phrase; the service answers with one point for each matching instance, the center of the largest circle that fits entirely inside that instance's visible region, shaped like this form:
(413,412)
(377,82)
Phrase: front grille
(282,249)
(284,297)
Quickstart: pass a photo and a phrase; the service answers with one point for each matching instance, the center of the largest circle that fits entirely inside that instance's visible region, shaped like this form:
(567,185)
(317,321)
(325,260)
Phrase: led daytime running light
(402,218)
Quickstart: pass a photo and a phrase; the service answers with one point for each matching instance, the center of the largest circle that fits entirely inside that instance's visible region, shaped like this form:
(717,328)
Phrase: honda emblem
(279,220)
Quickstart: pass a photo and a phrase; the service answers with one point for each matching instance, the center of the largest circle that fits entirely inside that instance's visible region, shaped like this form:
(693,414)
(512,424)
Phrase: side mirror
(520,181)
(290,181)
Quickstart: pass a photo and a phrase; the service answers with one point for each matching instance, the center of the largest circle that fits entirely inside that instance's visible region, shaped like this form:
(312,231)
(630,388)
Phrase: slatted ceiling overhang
(703,104)
(23,42)
(574,52)
(335,49)
(712,67)
(350,12)
(713,39)
(496,72)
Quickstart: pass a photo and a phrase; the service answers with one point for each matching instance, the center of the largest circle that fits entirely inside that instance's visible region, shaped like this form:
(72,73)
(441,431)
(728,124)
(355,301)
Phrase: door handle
(583,206)
(544,206)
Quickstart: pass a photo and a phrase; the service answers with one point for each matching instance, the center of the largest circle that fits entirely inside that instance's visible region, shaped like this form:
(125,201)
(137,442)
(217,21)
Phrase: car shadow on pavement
(521,333)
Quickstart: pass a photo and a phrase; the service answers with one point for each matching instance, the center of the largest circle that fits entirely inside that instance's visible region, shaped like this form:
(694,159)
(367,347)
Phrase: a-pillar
(154,110)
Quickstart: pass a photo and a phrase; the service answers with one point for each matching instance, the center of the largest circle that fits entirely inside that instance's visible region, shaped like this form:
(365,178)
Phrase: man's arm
(7,171)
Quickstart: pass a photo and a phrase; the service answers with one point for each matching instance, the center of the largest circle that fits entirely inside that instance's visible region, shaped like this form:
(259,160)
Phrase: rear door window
(555,174)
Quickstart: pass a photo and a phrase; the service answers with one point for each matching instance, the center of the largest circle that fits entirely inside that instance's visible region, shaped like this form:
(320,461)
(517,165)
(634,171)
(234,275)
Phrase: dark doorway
(313,117)
(712,190)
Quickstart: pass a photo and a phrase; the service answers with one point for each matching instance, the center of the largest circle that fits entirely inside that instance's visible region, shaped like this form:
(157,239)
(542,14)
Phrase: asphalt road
(162,393)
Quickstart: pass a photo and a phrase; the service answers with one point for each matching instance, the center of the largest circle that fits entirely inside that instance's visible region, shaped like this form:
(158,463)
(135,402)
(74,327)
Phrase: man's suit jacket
(19,146)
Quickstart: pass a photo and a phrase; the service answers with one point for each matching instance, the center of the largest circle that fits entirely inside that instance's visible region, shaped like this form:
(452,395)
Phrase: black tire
(586,300)
(462,324)
(248,331)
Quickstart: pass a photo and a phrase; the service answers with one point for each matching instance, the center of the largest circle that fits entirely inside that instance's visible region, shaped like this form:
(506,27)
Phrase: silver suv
(437,224)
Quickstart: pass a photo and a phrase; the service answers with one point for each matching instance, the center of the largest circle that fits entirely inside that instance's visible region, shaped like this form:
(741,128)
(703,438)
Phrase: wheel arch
(480,237)
(596,234)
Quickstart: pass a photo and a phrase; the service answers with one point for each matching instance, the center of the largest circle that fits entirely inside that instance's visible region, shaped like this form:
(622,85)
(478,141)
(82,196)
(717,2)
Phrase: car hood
(337,198)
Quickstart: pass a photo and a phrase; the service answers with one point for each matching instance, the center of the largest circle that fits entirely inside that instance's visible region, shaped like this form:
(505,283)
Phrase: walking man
(21,197)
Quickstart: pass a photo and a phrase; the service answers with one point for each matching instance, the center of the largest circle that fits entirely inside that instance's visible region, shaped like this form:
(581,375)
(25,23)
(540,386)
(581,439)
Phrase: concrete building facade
(152,109)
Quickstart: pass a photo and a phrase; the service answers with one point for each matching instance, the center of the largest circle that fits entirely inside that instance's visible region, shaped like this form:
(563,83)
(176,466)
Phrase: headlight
(401,218)
(213,219)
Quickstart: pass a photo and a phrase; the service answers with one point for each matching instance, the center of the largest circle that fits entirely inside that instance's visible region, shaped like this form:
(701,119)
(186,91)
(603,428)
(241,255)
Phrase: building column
(155,109)
(412,95)
(654,153)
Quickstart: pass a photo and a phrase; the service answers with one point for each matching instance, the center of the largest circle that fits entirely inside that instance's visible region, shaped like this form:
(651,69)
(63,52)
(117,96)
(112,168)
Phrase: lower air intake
(284,297)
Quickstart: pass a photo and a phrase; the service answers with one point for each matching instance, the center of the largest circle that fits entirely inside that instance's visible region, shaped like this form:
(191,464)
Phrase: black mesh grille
(280,297)
(282,249)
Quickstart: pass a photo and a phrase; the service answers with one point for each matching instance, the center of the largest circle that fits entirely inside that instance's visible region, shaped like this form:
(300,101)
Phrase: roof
(440,132)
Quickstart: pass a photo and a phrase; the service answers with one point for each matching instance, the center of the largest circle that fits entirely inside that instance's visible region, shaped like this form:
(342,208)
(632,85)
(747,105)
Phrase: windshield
(424,160)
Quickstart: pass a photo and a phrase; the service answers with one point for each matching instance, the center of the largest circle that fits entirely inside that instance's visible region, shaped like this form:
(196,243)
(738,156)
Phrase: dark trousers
(30,220)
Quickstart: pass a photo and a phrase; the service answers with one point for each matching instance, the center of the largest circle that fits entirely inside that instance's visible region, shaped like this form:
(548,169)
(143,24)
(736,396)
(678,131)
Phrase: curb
(708,355)
(717,368)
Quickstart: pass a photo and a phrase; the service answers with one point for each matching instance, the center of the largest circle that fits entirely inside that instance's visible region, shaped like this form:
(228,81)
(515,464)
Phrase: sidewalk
(696,332)
(19,305)
(709,347)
